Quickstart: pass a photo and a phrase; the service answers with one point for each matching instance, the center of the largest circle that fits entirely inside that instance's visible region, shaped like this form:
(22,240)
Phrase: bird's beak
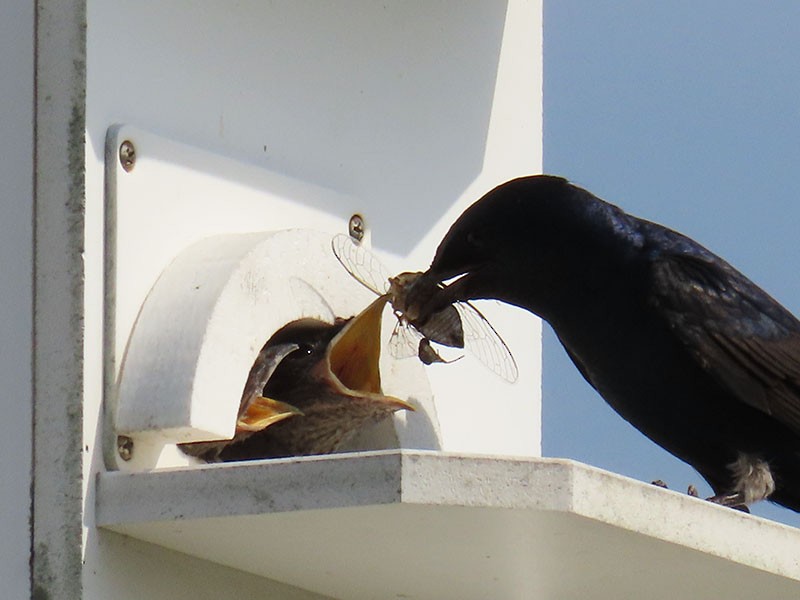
(460,288)
(263,412)
(352,359)
(257,412)
(428,295)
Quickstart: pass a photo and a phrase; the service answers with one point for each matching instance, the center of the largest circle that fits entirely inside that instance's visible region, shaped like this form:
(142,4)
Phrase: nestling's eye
(303,350)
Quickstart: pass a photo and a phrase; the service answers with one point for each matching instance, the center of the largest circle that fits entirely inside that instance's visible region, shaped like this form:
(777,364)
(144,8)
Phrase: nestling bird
(313,386)
(677,341)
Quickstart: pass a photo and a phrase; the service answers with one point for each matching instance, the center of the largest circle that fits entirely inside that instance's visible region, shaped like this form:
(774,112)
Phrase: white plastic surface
(208,316)
(190,255)
(405,524)
(177,195)
(405,111)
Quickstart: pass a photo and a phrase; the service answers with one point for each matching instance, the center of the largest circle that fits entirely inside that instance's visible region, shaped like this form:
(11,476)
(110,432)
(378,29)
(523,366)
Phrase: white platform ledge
(407,524)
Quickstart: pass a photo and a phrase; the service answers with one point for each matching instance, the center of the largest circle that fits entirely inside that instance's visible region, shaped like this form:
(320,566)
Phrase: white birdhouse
(189,163)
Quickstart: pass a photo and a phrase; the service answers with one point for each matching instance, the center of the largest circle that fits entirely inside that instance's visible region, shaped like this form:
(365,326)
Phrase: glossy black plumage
(678,342)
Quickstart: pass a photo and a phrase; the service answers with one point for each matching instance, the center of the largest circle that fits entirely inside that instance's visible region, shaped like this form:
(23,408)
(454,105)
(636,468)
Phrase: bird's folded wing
(735,331)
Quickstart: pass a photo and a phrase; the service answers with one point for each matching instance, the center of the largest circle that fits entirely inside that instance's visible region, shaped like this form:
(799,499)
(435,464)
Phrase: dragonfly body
(442,327)
(459,325)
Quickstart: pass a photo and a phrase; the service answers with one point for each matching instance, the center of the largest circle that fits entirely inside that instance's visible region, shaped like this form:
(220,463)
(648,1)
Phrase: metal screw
(127,155)
(124,447)
(356,227)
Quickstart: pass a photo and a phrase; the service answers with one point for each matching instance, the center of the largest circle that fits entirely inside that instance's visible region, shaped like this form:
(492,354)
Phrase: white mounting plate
(177,194)
(177,197)
(402,524)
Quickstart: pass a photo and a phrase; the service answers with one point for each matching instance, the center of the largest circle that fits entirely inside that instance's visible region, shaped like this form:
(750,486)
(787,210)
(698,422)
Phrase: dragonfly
(459,325)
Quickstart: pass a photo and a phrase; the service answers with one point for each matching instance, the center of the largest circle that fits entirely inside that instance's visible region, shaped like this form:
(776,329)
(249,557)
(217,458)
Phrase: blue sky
(688,114)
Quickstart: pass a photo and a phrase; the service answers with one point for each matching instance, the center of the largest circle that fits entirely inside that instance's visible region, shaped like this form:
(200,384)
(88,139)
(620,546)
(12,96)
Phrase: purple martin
(682,345)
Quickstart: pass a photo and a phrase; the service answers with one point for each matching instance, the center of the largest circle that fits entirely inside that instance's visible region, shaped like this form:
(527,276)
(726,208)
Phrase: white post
(59,319)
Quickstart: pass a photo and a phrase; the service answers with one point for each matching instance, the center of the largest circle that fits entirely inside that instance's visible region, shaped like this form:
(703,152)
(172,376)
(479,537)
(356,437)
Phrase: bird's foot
(691,490)
(733,500)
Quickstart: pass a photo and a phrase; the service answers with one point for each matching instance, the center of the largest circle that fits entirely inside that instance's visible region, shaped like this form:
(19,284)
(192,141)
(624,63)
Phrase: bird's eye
(474,240)
(303,350)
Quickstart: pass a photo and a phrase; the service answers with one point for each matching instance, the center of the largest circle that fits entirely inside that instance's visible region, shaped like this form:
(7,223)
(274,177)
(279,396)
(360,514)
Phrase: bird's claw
(691,490)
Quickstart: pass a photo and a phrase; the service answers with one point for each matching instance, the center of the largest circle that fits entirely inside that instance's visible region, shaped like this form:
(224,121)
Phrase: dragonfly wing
(404,341)
(481,339)
(362,264)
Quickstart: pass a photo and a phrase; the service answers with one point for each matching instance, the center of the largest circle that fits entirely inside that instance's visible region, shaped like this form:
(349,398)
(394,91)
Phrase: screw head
(127,155)
(357,227)
(124,447)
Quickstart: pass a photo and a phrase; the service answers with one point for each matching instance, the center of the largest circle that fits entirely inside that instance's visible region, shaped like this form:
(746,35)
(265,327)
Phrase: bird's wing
(735,331)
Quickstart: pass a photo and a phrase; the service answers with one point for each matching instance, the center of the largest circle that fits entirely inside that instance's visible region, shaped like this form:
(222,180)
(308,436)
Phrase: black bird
(682,345)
